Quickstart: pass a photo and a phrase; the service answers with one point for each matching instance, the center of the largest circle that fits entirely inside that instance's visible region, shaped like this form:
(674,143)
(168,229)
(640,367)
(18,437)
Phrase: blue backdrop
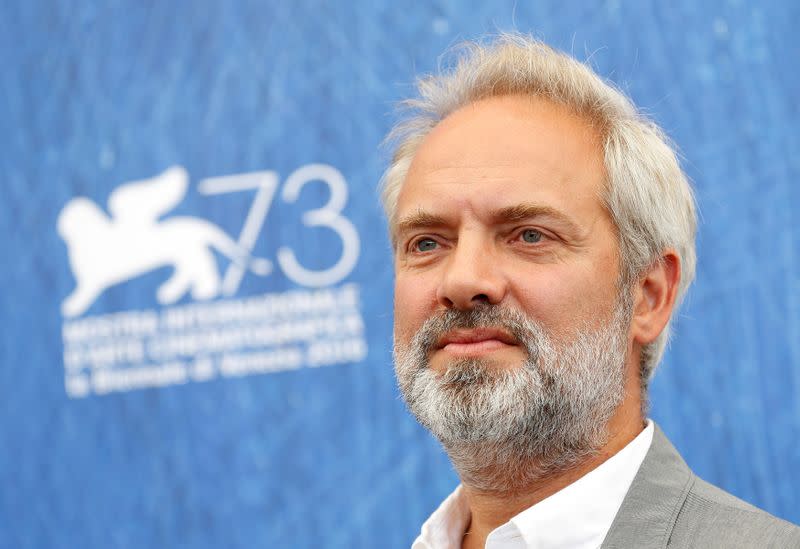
(250,401)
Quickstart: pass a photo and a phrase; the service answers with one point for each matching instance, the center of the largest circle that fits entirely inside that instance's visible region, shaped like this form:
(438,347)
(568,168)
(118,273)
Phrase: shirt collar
(446,526)
(579,515)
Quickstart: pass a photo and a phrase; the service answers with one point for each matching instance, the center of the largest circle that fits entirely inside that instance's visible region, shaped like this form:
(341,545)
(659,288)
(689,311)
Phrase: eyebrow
(417,220)
(523,212)
(510,214)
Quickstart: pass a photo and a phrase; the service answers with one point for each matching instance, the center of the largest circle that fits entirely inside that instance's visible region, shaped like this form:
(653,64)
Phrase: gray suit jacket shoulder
(668,506)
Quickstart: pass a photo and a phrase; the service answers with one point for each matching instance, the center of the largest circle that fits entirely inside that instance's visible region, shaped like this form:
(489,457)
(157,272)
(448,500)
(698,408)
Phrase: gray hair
(647,194)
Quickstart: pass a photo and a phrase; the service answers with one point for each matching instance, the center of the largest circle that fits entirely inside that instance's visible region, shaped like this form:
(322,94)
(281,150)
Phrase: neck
(490,509)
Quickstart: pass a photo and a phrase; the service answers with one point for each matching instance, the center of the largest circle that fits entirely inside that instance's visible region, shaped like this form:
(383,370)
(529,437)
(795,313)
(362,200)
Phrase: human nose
(472,276)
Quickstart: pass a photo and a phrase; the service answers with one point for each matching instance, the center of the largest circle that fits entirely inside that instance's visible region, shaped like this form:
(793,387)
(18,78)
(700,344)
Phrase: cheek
(414,302)
(563,297)
(548,301)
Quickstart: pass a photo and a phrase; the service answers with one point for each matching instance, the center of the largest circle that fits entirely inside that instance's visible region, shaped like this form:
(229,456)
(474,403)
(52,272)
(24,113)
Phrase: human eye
(424,244)
(531,236)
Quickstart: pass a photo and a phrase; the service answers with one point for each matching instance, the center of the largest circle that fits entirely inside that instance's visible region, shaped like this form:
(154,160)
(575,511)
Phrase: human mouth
(475,341)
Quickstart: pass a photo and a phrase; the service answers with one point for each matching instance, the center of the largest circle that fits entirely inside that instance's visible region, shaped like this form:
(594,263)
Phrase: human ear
(654,298)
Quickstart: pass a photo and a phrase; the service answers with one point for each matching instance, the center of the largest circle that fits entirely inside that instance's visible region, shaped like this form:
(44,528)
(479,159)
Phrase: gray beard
(505,428)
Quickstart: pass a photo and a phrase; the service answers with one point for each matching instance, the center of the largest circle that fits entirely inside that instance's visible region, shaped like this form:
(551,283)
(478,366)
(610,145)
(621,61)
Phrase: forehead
(500,151)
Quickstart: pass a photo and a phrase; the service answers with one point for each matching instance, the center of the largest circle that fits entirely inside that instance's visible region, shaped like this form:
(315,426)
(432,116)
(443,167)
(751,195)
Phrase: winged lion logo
(107,250)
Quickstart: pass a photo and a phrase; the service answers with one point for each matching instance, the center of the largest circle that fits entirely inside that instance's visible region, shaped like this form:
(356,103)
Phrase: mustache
(520,326)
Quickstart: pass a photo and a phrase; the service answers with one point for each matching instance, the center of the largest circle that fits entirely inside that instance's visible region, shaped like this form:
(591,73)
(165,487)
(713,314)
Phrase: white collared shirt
(576,517)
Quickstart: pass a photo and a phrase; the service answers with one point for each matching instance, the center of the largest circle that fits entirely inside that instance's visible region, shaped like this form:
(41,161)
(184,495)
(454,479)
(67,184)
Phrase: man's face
(510,334)
(502,205)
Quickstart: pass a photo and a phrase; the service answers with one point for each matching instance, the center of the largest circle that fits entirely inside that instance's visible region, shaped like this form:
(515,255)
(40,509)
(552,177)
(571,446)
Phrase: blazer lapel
(651,506)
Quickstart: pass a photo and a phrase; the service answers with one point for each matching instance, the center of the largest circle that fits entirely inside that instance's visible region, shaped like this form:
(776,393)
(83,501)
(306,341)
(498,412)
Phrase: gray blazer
(668,506)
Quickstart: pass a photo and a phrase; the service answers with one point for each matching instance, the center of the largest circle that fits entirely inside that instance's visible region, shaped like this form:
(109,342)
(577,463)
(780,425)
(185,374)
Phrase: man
(543,235)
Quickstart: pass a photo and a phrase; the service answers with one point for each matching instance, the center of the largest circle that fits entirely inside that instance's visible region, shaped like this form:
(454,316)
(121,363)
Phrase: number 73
(330,215)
